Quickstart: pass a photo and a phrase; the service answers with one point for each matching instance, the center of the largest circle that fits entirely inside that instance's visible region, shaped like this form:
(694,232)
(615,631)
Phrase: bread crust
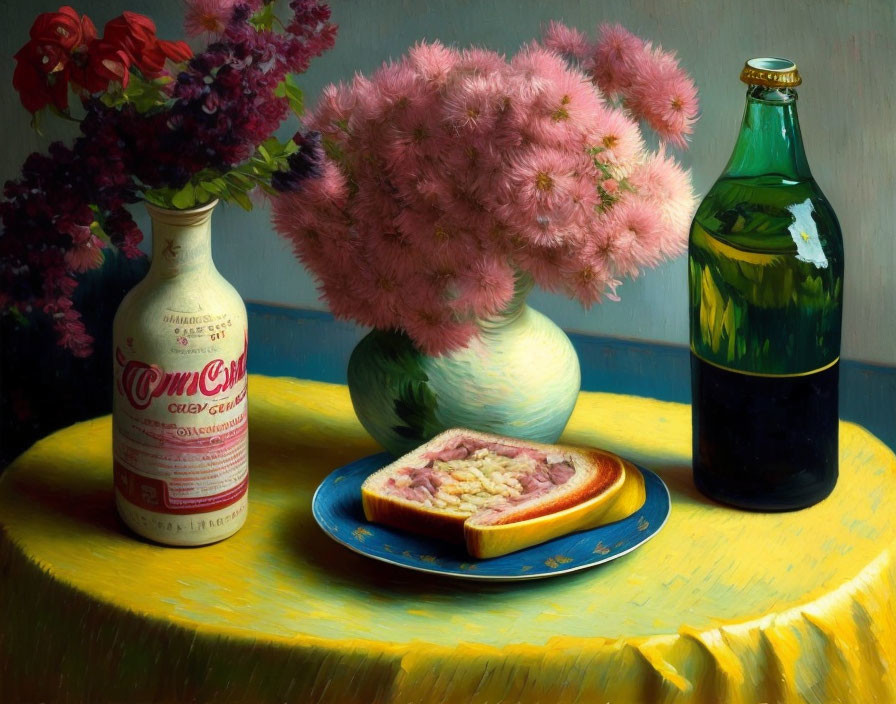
(606,473)
(412,517)
(619,501)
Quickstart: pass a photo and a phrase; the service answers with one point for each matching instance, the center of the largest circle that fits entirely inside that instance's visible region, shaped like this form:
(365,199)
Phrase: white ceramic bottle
(179,420)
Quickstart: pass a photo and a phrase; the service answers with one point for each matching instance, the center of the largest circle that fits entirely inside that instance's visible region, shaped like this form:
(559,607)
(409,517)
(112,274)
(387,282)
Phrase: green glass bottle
(765,267)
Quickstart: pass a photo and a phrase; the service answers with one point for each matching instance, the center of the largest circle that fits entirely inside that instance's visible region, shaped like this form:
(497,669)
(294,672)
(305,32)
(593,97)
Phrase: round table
(720,606)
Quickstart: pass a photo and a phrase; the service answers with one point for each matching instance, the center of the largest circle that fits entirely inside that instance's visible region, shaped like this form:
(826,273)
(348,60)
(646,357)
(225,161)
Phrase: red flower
(100,64)
(41,75)
(64,28)
(136,35)
(176,51)
(43,64)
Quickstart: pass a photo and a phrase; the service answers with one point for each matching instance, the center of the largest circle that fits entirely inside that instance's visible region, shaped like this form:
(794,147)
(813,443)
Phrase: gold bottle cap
(770,72)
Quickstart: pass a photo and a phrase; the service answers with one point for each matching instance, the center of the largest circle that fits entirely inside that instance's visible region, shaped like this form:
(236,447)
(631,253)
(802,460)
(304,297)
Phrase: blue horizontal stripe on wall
(311,344)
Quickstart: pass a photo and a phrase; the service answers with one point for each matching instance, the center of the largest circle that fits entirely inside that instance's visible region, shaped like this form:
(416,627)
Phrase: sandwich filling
(470,476)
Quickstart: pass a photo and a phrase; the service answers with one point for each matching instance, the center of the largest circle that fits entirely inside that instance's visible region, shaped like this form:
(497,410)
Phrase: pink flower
(613,62)
(663,95)
(480,62)
(433,62)
(434,329)
(208,17)
(633,235)
(617,139)
(70,331)
(479,183)
(314,219)
(86,254)
(367,105)
(663,183)
(534,69)
(585,199)
(571,98)
(535,196)
(340,289)
(484,286)
(409,149)
(566,40)
(543,263)
(393,85)
(473,104)
(534,61)
(468,214)
(559,112)
(333,111)
(587,278)
(386,245)
(383,285)
(337,247)
(440,275)
(455,171)
(372,208)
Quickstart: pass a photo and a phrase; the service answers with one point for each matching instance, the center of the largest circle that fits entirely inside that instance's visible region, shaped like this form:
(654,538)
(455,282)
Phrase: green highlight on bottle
(766,255)
(766,277)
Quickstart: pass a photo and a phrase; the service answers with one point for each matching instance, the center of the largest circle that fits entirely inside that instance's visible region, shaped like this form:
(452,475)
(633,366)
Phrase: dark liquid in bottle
(764,443)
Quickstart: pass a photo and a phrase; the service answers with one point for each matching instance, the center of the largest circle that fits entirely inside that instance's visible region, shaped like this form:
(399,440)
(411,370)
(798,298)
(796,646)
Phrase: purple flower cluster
(70,204)
(226,102)
(50,230)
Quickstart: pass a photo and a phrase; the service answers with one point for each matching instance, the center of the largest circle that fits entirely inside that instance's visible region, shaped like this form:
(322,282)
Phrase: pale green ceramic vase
(519,377)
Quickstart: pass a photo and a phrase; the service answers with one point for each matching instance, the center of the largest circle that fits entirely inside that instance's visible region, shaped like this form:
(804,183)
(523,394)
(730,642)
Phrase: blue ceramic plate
(337,509)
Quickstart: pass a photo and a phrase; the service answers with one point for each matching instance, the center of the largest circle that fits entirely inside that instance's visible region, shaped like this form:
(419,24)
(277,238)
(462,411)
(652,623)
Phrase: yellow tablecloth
(721,606)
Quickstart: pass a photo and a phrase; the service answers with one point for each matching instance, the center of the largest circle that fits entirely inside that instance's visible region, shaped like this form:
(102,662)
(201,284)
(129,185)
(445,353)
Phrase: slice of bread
(497,495)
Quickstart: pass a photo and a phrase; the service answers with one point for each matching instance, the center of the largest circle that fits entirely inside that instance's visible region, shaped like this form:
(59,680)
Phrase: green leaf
(290,90)
(239,180)
(241,198)
(144,94)
(400,365)
(264,18)
(267,188)
(36,120)
(111,101)
(211,187)
(184,198)
(294,95)
(273,145)
(201,194)
(64,114)
(415,406)
(159,196)
(18,316)
(97,229)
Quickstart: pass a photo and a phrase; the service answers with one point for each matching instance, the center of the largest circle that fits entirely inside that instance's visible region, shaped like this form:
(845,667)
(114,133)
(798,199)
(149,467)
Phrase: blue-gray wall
(846,52)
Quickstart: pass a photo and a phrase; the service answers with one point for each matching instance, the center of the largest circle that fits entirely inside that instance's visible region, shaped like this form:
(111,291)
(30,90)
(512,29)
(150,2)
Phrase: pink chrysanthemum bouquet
(449,175)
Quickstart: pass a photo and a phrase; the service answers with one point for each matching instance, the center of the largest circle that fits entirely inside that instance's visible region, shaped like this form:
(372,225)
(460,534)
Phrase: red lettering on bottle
(140,382)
